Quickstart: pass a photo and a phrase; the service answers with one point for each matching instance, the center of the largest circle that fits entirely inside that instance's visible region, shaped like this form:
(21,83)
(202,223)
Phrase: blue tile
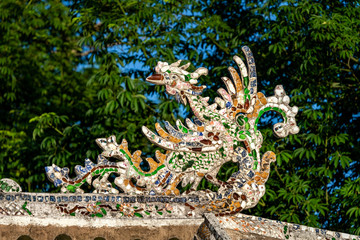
(246,48)
(251,174)
(58,182)
(52,176)
(228,104)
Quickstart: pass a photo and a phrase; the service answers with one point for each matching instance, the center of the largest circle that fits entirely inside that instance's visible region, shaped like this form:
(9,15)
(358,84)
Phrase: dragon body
(221,132)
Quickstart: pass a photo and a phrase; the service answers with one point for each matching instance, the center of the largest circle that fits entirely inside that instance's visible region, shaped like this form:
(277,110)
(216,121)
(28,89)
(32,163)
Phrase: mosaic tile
(220,132)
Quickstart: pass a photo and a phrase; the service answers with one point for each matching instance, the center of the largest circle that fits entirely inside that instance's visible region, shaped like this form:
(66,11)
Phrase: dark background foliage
(73,71)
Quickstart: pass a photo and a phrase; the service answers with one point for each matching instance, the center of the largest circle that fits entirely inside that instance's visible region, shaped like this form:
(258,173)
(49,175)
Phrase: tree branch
(226,50)
(83,54)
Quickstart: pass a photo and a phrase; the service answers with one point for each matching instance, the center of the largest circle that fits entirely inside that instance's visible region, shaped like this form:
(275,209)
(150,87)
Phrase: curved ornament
(221,132)
(9,185)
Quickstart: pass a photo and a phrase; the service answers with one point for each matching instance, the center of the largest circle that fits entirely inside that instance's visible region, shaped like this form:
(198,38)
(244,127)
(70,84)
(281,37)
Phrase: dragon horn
(251,83)
(184,67)
(176,64)
(160,65)
(200,71)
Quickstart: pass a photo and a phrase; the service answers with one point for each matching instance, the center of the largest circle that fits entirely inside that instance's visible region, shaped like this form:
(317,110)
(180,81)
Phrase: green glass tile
(246,81)
(71,188)
(240,121)
(255,165)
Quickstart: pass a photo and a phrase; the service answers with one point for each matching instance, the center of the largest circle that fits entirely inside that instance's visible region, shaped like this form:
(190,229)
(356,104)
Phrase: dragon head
(177,80)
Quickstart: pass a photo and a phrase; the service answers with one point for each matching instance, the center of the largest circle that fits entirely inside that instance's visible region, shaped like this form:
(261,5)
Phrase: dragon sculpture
(221,132)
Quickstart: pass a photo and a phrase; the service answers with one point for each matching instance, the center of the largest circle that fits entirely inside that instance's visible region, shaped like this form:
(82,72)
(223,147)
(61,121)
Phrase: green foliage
(315,52)
(74,71)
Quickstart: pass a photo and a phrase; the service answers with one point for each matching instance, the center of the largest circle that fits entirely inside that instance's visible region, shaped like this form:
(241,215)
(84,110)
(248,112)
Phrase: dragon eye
(173,77)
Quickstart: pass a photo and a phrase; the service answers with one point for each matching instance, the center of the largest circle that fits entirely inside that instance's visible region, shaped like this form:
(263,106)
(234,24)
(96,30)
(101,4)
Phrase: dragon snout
(157,79)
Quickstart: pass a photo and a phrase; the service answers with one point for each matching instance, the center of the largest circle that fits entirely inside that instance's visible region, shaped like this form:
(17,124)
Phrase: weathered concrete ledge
(244,227)
(102,206)
(97,223)
(90,216)
(104,216)
(12,227)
